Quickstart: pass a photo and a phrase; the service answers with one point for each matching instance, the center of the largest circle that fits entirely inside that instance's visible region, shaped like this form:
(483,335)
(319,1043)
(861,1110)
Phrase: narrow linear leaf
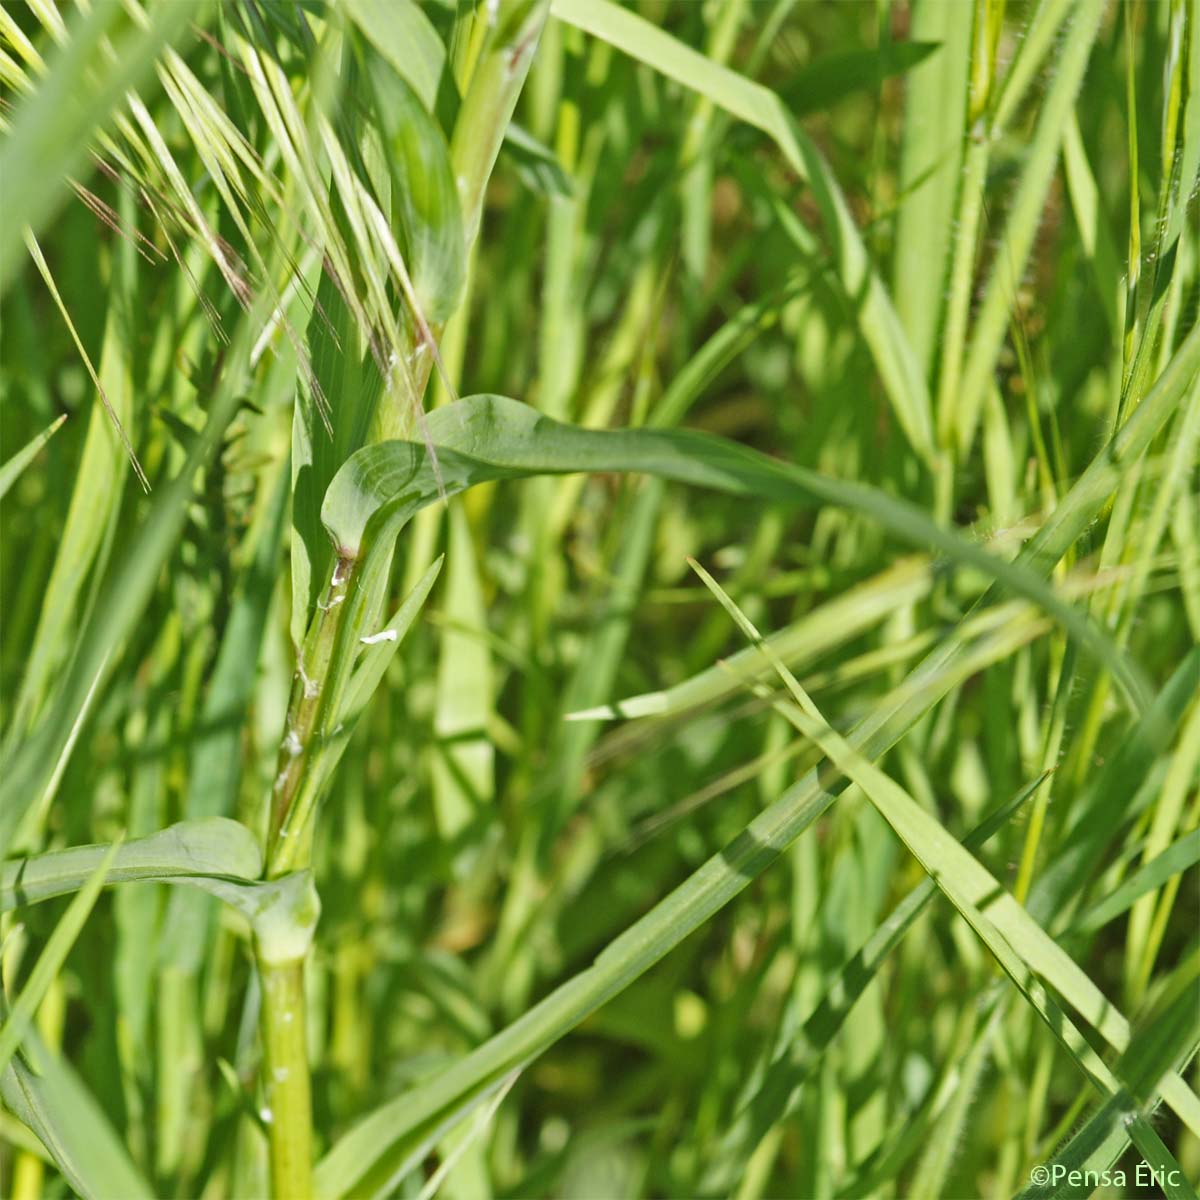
(214,847)
(1102,810)
(1173,861)
(1023,948)
(365,1159)
(780,1088)
(758,106)
(1165,1038)
(52,1100)
(839,620)
(10,472)
(484,438)
(821,84)
(51,959)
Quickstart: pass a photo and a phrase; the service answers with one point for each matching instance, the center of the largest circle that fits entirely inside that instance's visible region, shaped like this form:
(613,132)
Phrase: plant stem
(288,1113)
(309,697)
(324,664)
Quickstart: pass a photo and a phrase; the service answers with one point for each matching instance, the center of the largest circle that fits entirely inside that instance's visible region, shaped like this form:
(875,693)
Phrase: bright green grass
(746,746)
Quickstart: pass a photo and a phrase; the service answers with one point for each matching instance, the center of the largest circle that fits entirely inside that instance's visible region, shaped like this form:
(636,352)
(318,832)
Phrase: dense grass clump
(600,599)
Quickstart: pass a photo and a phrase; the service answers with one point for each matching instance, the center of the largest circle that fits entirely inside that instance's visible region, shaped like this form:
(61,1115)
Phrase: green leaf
(188,852)
(96,499)
(1098,814)
(404,36)
(368,1156)
(11,470)
(778,1092)
(425,202)
(832,77)
(839,620)
(537,164)
(33,769)
(1165,1038)
(369,671)
(486,438)
(464,758)
(51,959)
(1023,948)
(932,138)
(758,106)
(51,1099)
(1173,861)
(1016,240)
(331,419)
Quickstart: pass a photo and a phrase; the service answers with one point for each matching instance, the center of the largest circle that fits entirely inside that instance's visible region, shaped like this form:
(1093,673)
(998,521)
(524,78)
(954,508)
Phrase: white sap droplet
(266,1115)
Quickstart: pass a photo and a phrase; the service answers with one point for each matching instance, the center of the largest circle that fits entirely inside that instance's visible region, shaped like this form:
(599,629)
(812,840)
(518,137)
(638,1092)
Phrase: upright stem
(288,1112)
(282,937)
(290,803)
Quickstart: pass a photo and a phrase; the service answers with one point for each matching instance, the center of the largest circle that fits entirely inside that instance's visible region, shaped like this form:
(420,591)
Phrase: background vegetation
(901,901)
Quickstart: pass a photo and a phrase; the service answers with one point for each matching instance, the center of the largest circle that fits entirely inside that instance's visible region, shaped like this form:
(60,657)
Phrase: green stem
(958,309)
(288,1112)
(325,662)
(311,697)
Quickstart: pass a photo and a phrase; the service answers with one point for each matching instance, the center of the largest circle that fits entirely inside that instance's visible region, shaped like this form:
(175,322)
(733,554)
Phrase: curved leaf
(191,851)
(483,438)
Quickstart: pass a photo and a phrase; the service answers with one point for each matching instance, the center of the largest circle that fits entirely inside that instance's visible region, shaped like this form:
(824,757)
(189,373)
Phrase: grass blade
(214,847)
(1023,948)
(1177,858)
(50,1098)
(781,1087)
(365,1157)
(485,438)
(760,107)
(51,959)
(10,472)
